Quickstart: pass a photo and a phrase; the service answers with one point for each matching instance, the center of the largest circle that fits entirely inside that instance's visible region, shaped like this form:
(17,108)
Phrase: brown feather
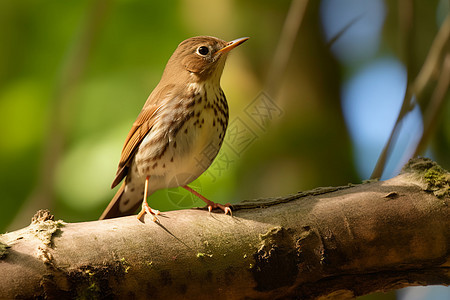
(141,127)
(113,211)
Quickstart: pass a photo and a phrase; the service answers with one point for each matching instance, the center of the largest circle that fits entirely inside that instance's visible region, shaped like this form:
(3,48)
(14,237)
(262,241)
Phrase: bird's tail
(113,209)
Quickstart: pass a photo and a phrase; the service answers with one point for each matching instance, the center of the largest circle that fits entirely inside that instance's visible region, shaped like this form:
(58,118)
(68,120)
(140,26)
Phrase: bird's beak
(231,45)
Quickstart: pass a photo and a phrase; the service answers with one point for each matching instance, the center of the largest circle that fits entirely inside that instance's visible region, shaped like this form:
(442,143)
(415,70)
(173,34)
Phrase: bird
(179,130)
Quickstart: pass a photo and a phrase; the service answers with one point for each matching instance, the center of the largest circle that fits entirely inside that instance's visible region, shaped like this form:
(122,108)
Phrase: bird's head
(200,58)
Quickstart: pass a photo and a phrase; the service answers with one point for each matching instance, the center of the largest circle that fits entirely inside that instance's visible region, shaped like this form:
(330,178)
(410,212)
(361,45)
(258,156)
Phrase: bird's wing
(141,127)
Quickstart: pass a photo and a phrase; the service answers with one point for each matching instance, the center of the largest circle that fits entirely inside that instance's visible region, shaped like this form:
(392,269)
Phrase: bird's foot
(225,207)
(147,209)
(209,204)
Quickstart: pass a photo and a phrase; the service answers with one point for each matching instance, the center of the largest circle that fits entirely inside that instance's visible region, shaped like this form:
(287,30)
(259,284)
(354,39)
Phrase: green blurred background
(75,74)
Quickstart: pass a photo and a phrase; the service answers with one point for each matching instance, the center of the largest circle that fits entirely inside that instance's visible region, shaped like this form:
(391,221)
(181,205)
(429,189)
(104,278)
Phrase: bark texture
(328,243)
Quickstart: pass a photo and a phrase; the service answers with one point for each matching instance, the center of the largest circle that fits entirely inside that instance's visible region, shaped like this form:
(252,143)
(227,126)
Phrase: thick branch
(340,242)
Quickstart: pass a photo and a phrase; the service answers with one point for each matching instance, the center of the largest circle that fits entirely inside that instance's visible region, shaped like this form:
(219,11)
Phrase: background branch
(416,88)
(285,45)
(58,128)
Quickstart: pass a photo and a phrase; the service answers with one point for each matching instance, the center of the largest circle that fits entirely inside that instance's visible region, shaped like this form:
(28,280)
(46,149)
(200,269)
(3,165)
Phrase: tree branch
(333,242)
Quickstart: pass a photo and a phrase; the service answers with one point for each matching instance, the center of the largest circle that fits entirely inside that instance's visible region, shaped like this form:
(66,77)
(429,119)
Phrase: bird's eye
(203,50)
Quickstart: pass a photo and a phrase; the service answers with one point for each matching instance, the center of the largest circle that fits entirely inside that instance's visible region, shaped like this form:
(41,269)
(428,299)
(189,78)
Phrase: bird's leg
(145,207)
(211,205)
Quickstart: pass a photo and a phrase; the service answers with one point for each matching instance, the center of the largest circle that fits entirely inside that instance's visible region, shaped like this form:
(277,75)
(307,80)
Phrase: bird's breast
(186,137)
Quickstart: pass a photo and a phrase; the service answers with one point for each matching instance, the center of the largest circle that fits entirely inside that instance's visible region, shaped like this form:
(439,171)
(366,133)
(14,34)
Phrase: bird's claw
(209,204)
(226,208)
(147,209)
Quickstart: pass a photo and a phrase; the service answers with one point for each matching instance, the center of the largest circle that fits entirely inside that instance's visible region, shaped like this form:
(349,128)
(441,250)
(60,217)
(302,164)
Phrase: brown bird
(180,129)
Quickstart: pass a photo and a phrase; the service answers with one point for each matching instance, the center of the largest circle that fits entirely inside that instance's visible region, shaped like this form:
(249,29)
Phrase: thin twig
(344,30)
(434,59)
(423,79)
(435,107)
(285,45)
